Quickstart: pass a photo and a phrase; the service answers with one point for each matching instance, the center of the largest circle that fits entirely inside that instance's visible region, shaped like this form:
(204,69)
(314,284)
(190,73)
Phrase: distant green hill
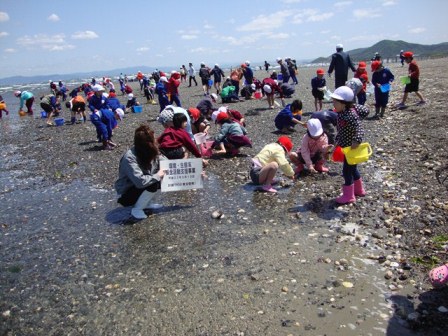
(390,49)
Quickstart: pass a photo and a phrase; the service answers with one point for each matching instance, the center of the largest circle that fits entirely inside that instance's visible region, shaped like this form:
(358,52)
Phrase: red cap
(194,113)
(222,116)
(375,65)
(112,94)
(285,142)
(320,71)
(362,65)
(408,54)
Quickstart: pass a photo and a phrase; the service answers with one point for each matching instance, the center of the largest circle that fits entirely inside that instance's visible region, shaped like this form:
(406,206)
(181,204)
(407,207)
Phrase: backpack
(204,73)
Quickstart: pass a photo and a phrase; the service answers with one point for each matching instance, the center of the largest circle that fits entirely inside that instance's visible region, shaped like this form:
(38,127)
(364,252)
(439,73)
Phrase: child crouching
(313,150)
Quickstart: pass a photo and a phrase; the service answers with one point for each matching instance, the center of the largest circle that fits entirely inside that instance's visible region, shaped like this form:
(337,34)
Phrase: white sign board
(182,174)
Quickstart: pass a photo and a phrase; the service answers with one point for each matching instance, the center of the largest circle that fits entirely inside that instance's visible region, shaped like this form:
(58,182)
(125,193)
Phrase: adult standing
(191,74)
(340,62)
(218,74)
(283,69)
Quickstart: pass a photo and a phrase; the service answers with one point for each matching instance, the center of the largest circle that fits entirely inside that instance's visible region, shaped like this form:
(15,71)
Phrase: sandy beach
(287,264)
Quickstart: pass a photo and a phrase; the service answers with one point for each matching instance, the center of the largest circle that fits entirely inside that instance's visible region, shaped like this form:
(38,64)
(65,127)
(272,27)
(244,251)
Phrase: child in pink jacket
(314,149)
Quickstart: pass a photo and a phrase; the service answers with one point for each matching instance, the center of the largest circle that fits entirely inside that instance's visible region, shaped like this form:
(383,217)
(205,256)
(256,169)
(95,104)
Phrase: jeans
(350,173)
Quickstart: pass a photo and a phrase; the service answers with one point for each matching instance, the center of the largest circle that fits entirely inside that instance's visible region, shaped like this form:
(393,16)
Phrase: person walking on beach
(266,66)
(340,63)
(173,88)
(191,75)
(381,79)
(283,69)
(161,92)
(183,73)
(204,73)
(292,69)
(414,75)
(218,74)
(318,86)
(27,99)
(139,173)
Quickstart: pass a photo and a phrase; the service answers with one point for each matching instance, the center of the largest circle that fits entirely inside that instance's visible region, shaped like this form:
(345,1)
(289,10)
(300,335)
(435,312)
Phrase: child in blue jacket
(105,121)
(381,79)
(287,118)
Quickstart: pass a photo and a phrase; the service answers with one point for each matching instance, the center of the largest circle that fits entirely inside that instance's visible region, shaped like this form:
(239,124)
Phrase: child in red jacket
(414,75)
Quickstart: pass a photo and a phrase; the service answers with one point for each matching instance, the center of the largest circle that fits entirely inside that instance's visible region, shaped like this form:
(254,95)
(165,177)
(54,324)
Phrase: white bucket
(200,138)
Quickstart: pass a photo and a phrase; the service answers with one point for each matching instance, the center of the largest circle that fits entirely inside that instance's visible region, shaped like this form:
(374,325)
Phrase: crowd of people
(325,130)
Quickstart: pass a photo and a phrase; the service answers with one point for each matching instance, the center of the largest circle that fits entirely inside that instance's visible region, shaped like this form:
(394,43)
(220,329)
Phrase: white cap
(222,109)
(120,113)
(267,88)
(164,79)
(279,59)
(98,88)
(214,96)
(314,126)
(339,46)
(247,63)
(215,115)
(253,86)
(343,93)
(130,96)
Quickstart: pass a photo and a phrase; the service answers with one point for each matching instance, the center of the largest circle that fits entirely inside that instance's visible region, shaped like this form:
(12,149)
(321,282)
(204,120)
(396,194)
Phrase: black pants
(131,196)
(192,78)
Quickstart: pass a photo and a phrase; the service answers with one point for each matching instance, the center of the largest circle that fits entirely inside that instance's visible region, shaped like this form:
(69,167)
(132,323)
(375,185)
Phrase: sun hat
(166,116)
(343,93)
(214,96)
(339,46)
(375,65)
(120,113)
(314,126)
(222,116)
(267,88)
(320,71)
(285,142)
(408,54)
(17,93)
(194,113)
(98,88)
(362,65)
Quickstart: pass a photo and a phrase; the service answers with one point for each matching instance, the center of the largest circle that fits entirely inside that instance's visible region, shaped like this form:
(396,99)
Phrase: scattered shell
(217,214)
(347,284)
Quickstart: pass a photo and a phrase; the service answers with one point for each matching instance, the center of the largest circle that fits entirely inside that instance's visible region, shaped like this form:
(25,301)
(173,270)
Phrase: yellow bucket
(358,155)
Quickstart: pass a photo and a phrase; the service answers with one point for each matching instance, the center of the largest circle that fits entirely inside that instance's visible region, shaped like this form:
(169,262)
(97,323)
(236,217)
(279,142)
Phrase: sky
(60,37)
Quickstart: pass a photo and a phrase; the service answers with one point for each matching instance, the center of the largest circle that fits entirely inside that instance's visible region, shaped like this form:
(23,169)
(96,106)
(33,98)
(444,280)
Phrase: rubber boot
(319,166)
(137,211)
(348,195)
(299,169)
(383,109)
(359,189)
(153,206)
(377,112)
(73,120)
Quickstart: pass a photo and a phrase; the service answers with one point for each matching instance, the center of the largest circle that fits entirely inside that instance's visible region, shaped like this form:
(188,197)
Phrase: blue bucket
(280,77)
(43,114)
(210,82)
(137,108)
(59,121)
(385,88)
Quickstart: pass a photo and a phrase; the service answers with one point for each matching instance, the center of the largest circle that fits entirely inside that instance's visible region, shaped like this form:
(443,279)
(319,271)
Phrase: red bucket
(338,155)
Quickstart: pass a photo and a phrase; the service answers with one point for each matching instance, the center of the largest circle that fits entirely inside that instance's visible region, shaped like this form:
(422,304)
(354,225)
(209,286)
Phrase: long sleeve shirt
(274,152)
(311,146)
(173,138)
(349,128)
(24,96)
(131,173)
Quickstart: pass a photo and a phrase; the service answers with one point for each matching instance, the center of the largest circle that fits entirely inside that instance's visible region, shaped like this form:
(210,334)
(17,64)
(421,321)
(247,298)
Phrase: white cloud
(189,37)
(319,17)
(266,22)
(417,30)
(3,34)
(325,31)
(198,50)
(208,26)
(342,3)
(53,17)
(310,15)
(84,35)
(291,1)
(48,42)
(389,3)
(142,49)
(279,36)
(10,50)
(366,13)
(4,17)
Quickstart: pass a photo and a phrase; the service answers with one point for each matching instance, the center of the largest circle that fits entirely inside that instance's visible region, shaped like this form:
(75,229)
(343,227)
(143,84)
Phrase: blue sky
(58,37)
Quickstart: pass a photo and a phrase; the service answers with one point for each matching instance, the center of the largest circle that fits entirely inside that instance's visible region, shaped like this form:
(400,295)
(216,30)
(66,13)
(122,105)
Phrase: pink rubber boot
(359,189)
(319,166)
(439,275)
(348,195)
(299,169)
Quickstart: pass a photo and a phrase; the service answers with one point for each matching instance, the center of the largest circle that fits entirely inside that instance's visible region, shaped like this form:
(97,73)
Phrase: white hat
(343,93)
(164,79)
(279,59)
(253,86)
(215,114)
(166,115)
(98,88)
(216,65)
(222,109)
(339,46)
(214,96)
(130,96)
(120,113)
(267,88)
(247,63)
(314,126)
